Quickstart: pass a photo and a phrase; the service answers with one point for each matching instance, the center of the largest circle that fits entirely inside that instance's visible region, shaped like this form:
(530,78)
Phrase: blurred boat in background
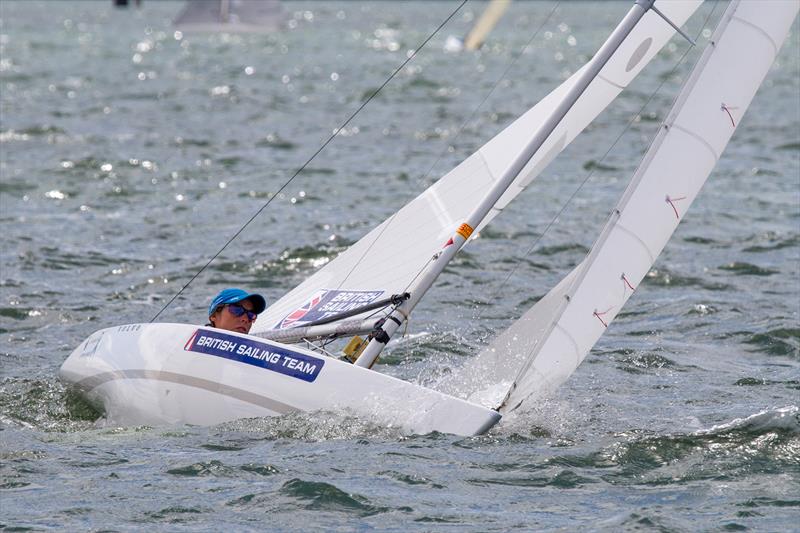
(230,16)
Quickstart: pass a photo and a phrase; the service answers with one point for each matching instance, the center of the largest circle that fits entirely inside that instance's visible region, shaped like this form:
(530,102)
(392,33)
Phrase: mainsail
(386,260)
(547,344)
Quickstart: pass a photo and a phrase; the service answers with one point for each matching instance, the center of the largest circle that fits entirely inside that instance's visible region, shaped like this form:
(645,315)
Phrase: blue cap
(233,296)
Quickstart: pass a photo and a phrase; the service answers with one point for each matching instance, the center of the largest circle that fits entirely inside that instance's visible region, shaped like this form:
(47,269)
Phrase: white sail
(695,133)
(388,258)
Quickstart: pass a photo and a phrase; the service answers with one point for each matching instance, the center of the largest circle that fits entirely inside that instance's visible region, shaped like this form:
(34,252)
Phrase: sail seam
(775,47)
(493,177)
(571,339)
(610,82)
(698,138)
(486,165)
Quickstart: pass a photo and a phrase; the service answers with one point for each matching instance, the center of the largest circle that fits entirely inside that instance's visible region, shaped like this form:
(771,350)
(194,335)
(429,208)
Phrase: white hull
(158,374)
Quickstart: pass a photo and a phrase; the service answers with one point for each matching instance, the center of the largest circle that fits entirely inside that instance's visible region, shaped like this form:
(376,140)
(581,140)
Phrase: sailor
(235,310)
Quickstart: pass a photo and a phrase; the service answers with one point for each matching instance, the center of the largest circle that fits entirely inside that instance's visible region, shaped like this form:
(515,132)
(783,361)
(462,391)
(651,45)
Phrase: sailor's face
(225,318)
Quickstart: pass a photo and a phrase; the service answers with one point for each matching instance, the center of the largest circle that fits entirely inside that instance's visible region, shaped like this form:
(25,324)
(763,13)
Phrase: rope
(308,161)
(458,133)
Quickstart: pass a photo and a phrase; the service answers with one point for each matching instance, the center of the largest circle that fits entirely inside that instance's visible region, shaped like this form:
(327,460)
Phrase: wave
(775,243)
(316,426)
(761,444)
(638,362)
(45,405)
(746,269)
(303,494)
(778,341)
(53,258)
(662,277)
(765,443)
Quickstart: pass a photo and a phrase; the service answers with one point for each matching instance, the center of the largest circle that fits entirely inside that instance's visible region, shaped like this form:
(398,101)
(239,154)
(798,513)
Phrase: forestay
(554,336)
(388,258)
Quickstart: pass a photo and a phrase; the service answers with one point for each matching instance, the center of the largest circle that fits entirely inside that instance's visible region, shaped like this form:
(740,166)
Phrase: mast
(224,10)
(386,328)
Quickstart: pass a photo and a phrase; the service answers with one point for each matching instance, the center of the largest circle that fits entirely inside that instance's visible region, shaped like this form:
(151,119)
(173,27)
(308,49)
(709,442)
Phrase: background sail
(230,15)
(488,19)
(674,169)
(391,255)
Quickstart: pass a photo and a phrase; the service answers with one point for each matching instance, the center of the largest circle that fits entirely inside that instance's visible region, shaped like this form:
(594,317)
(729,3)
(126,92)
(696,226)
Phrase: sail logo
(260,354)
(325,303)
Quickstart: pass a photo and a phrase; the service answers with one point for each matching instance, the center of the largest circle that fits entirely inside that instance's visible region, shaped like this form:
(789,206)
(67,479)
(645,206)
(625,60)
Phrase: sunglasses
(237,311)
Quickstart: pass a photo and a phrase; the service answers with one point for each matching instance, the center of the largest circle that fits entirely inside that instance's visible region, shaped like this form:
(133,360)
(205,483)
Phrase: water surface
(131,153)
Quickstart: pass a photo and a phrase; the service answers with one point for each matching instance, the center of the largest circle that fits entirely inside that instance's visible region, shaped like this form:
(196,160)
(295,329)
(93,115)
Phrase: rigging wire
(458,133)
(426,175)
(314,155)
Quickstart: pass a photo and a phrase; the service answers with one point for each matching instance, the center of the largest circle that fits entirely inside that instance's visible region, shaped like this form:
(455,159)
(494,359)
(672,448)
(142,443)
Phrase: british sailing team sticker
(325,303)
(287,362)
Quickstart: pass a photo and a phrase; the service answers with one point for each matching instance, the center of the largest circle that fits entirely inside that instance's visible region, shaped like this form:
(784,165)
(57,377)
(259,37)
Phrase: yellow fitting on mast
(465,230)
(354,348)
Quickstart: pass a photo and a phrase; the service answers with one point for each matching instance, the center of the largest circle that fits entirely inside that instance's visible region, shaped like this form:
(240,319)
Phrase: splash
(44,404)
(318,426)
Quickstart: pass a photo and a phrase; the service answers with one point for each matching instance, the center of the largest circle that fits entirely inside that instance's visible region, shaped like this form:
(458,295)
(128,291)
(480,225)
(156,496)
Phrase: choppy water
(131,154)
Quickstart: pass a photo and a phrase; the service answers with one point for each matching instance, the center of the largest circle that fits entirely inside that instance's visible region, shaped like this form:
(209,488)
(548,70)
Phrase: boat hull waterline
(166,374)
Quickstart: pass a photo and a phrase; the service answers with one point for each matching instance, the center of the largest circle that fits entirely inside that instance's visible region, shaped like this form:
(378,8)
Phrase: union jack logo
(302,311)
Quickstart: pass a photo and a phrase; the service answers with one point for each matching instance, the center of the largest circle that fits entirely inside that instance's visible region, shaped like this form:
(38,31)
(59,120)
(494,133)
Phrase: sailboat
(230,16)
(157,373)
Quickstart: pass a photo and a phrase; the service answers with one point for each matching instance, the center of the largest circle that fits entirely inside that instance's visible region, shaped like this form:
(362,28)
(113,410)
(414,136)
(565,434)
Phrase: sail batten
(670,176)
(699,138)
